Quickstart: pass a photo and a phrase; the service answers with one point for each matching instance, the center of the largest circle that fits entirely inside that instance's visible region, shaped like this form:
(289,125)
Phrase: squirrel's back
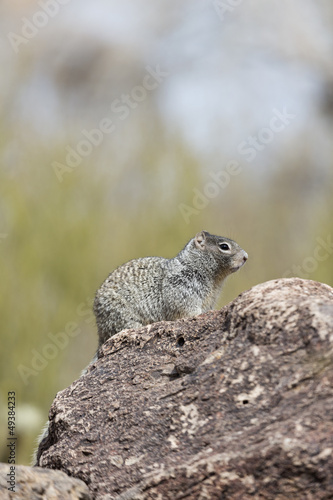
(129,296)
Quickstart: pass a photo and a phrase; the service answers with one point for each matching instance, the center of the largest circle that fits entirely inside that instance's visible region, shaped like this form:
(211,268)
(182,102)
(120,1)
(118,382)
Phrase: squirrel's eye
(224,246)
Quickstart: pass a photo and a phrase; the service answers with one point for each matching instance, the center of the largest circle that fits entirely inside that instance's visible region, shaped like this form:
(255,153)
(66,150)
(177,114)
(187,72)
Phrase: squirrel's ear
(200,240)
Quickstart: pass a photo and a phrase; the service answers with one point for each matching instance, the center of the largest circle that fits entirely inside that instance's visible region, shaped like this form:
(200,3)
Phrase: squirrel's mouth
(241,263)
(235,268)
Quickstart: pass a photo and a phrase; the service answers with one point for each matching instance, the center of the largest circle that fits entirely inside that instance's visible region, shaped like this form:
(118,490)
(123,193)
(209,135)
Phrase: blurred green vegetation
(64,238)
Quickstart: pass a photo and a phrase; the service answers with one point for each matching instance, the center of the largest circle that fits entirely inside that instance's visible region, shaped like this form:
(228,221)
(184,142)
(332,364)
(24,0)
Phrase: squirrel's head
(227,254)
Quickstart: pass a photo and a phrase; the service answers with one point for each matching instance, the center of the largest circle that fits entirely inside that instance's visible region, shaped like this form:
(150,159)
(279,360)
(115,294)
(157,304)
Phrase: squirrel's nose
(245,257)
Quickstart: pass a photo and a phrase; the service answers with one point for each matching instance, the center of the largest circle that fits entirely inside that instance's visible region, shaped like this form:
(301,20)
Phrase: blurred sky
(228,67)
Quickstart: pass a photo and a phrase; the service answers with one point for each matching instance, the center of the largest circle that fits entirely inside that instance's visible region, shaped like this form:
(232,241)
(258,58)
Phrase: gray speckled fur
(151,289)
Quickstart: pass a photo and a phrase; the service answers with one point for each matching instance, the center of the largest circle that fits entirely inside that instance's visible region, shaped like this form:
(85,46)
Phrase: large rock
(29,483)
(235,404)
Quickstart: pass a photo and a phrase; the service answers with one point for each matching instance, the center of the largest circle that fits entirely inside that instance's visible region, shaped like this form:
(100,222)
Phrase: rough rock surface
(41,484)
(234,404)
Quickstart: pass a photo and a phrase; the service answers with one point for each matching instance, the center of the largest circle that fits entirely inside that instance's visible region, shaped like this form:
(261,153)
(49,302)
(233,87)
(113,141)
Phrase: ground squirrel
(151,289)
